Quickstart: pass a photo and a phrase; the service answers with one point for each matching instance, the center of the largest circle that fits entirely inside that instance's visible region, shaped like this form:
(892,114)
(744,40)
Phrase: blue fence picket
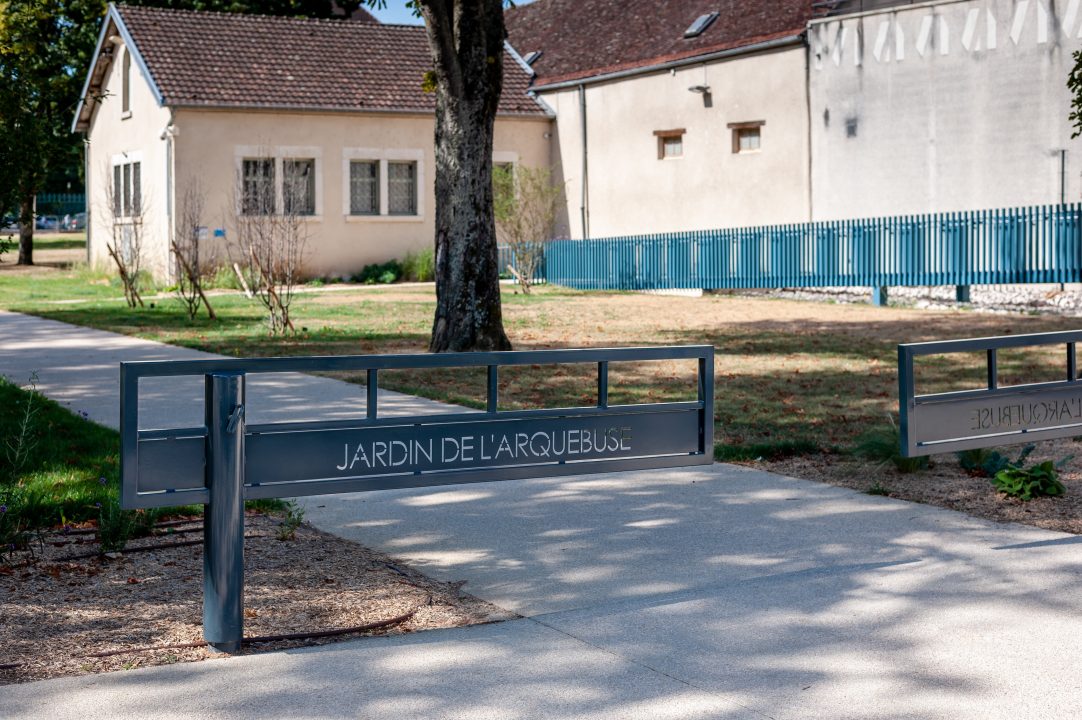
(1016,245)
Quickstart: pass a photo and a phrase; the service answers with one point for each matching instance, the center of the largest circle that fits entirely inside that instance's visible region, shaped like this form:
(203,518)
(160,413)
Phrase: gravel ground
(57,609)
(1047,298)
(947,485)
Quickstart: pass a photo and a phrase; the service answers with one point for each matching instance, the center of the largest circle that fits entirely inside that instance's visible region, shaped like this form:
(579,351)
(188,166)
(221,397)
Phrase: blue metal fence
(1020,245)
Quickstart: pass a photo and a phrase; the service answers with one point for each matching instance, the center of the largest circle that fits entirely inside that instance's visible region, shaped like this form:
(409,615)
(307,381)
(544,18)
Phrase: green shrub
(419,267)
(983,462)
(384,274)
(115,527)
(1028,483)
(883,444)
(294,516)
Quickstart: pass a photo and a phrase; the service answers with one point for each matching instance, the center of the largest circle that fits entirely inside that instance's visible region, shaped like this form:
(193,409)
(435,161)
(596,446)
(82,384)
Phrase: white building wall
(115,135)
(631,191)
(943,107)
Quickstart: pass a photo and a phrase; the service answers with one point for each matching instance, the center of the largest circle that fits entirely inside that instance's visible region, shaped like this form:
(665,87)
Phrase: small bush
(988,463)
(884,445)
(419,267)
(1028,483)
(383,274)
(115,527)
(294,516)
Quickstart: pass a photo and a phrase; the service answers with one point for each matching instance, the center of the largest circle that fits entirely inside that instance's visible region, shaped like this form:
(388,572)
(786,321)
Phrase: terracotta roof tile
(233,60)
(583,38)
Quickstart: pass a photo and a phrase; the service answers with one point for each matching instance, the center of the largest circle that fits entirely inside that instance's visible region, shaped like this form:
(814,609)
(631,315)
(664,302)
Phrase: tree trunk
(26,231)
(467,45)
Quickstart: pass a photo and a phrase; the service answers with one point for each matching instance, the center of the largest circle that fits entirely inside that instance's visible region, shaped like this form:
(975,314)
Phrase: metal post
(223,518)
(879,296)
(961,293)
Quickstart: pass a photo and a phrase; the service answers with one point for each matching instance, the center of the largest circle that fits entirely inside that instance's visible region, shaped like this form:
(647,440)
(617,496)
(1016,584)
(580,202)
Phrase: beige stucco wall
(209,145)
(137,137)
(631,191)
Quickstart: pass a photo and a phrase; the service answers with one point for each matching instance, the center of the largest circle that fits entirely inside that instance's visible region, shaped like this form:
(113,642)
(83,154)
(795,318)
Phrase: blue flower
(102,480)
(97,504)
(3,509)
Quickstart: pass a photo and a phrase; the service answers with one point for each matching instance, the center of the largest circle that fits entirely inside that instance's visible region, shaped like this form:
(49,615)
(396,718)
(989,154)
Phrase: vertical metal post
(493,388)
(961,293)
(372,387)
(603,384)
(993,370)
(879,296)
(1072,363)
(223,518)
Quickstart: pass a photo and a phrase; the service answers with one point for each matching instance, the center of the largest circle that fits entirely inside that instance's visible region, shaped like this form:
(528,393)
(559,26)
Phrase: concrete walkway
(715,592)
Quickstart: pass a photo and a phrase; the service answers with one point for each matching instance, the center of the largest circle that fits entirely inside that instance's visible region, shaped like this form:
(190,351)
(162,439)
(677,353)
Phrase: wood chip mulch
(56,611)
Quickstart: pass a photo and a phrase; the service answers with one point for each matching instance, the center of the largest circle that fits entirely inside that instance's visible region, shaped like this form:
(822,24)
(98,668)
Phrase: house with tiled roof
(680,115)
(326,117)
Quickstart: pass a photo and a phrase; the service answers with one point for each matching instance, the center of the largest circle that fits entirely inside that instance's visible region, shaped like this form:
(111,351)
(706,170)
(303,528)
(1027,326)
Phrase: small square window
(748,139)
(670,143)
(747,136)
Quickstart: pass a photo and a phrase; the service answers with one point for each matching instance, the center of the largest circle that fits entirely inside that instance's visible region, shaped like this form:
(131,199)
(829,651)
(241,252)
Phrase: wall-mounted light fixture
(704,90)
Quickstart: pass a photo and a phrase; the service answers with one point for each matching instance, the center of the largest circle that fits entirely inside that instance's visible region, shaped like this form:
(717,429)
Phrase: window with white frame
(383,184)
(257,186)
(364,187)
(402,188)
(299,186)
(127,189)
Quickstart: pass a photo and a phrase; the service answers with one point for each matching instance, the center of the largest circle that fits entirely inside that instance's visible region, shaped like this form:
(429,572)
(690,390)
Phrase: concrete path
(714,592)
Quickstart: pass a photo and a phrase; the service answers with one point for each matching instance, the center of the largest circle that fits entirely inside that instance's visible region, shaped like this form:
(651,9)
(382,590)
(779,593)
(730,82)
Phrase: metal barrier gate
(993,415)
(226,461)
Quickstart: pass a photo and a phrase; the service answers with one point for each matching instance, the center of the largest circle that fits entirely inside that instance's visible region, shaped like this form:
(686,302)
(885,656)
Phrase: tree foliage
(1074,84)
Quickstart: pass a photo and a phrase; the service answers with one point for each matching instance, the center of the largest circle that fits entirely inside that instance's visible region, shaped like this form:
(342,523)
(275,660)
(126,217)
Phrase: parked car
(47,222)
(73,222)
(9,223)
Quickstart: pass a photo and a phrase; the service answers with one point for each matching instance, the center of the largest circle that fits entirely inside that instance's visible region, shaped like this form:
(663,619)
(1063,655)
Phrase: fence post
(879,296)
(961,293)
(223,518)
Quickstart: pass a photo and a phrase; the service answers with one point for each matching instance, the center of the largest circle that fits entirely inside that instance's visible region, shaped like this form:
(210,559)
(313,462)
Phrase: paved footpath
(715,592)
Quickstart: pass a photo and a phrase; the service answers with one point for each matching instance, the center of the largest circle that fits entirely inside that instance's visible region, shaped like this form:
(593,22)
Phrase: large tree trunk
(467,45)
(26,231)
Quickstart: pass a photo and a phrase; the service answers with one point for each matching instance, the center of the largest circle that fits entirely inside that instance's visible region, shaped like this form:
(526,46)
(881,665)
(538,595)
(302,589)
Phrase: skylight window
(701,23)
(531,57)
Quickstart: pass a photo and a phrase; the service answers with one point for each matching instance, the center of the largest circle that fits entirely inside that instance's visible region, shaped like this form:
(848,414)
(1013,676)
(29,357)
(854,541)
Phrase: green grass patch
(66,241)
(58,468)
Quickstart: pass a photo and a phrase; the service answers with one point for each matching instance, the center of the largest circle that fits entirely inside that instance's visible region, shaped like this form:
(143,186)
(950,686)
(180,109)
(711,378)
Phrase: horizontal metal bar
(942,347)
(172,433)
(341,363)
(998,392)
(195,496)
(470,417)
